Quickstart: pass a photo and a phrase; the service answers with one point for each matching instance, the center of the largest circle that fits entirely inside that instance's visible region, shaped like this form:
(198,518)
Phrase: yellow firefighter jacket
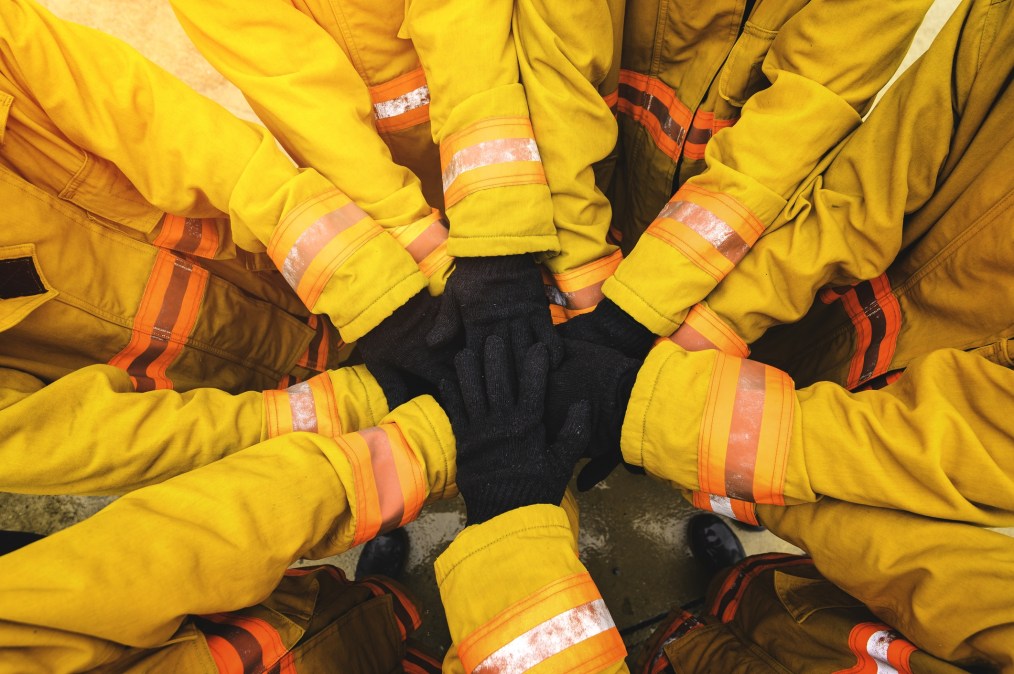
(777,87)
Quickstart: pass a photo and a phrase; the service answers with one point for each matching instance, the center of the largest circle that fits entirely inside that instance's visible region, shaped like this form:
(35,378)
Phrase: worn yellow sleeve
(915,573)
(118,440)
(495,190)
(304,88)
(754,167)
(226,534)
(537,608)
(931,443)
(848,222)
(565,53)
(146,123)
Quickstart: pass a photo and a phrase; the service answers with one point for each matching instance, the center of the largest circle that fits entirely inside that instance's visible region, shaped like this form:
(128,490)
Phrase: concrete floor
(632,528)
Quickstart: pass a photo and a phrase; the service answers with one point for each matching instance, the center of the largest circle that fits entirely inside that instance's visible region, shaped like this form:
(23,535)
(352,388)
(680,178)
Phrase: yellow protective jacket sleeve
(821,84)
(495,190)
(565,55)
(117,440)
(849,222)
(226,534)
(933,443)
(338,259)
(518,598)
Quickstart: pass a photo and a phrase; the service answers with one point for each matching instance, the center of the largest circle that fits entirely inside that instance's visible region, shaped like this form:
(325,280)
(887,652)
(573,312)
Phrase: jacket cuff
(495,191)
(333,255)
(538,605)
(426,241)
(697,239)
(332,403)
(711,423)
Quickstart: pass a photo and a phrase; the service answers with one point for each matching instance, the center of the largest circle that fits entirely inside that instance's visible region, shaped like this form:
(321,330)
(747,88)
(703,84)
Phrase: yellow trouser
(776,613)
(216,539)
(74,136)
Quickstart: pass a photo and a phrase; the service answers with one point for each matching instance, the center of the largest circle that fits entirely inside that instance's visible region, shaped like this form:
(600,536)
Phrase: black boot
(385,555)
(713,543)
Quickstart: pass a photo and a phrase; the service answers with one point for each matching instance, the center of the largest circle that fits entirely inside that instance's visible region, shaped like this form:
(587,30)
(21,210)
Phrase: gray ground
(632,528)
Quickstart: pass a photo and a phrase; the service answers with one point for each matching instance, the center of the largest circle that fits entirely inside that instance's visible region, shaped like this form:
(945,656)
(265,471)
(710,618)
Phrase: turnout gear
(500,296)
(731,105)
(396,352)
(504,460)
(227,533)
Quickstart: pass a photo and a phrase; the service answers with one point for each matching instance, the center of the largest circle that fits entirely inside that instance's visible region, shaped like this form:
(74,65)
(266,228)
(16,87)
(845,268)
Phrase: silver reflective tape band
(489,152)
(304,412)
(549,638)
(722,505)
(402,104)
(877,646)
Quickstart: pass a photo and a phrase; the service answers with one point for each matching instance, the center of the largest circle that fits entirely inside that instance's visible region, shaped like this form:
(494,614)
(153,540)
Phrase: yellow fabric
(936,207)
(236,170)
(565,56)
(915,573)
(785,128)
(513,558)
(931,443)
(473,77)
(118,440)
(226,534)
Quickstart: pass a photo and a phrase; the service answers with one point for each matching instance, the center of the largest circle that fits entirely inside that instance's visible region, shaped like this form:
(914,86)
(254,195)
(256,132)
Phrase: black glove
(611,326)
(504,461)
(499,296)
(397,355)
(605,378)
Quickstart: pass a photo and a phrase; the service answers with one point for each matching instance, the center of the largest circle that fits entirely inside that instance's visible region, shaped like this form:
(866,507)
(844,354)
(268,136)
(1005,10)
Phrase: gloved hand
(499,296)
(611,326)
(605,378)
(504,461)
(397,355)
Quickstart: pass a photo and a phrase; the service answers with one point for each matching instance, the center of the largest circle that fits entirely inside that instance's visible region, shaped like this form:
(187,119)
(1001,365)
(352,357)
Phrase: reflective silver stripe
(709,227)
(309,244)
(722,505)
(416,98)
(304,412)
(877,646)
(489,152)
(549,638)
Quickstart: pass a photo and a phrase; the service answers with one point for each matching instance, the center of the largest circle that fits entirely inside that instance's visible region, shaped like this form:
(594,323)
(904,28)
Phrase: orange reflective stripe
(612,100)
(242,643)
(310,406)
(879,650)
(319,349)
(197,236)
(744,441)
(702,129)
(423,236)
(582,287)
(401,103)
(712,229)
(875,313)
(495,152)
(390,486)
(681,623)
(565,621)
(702,329)
(405,612)
(727,599)
(734,508)
(163,322)
(316,238)
(654,105)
